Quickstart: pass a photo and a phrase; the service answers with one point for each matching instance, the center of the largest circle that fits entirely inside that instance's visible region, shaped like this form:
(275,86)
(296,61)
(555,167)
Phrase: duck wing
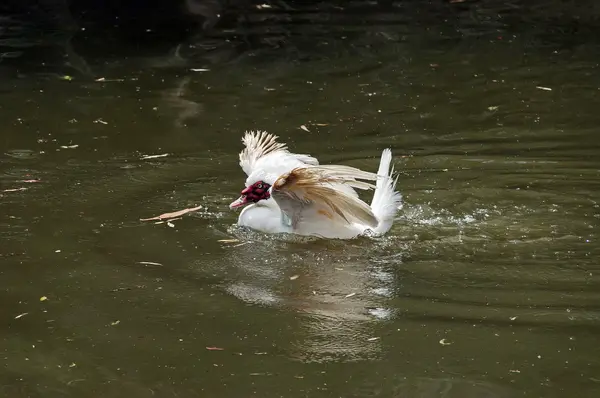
(307,192)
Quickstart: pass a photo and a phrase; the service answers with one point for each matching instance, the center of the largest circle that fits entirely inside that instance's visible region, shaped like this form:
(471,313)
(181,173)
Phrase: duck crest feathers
(258,144)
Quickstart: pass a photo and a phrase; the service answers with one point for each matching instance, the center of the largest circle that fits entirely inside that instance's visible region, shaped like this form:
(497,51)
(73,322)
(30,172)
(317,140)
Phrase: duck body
(292,193)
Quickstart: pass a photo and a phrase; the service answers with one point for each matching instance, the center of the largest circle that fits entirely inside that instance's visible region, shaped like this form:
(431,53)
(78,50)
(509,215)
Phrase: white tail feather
(386,201)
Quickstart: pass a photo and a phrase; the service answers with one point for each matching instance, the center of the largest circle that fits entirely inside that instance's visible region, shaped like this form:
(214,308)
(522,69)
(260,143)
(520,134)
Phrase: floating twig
(174,214)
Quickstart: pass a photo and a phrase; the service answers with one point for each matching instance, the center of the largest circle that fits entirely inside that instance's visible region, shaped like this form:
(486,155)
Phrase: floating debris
(174,214)
(303,127)
(21,315)
(200,70)
(69,146)
(373,338)
(162,155)
(215,349)
(103,79)
(228,240)
(444,342)
(543,88)
(115,323)
(43,298)
(350,295)
(15,189)
(99,120)
(294,277)
(150,263)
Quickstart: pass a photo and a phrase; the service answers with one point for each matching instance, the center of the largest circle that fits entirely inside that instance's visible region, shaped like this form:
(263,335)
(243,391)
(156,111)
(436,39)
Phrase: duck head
(256,192)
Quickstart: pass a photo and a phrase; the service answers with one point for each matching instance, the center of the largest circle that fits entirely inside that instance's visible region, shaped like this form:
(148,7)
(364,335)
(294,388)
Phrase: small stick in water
(173,214)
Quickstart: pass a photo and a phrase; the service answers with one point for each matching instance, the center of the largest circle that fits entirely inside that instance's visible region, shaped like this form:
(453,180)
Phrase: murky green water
(487,286)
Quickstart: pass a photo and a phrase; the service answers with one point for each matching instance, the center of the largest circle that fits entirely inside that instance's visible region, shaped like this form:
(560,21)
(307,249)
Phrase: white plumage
(292,193)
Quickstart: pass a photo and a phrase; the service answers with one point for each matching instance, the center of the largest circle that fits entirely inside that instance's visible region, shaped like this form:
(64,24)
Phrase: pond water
(488,284)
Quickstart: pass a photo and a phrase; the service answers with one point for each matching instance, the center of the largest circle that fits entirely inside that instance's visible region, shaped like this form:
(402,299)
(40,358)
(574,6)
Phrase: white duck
(292,193)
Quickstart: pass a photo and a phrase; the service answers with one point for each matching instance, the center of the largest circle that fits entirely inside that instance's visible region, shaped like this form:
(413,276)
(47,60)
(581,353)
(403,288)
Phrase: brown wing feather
(317,185)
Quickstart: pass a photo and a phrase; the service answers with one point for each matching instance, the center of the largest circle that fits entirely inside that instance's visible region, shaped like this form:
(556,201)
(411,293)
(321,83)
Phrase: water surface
(486,286)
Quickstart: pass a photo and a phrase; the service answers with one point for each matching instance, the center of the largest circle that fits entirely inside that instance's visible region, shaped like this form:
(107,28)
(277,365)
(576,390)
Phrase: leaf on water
(67,77)
(215,348)
(150,263)
(373,338)
(350,295)
(15,189)
(162,155)
(294,277)
(543,88)
(200,70)
(115,323)
(103,79)
(21,315)
(444,342)
(228,240)
(303,127)
(174,214)
(43,298)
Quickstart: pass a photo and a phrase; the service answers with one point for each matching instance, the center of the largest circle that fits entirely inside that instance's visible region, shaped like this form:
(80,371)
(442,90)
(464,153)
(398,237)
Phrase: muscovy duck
(292,193)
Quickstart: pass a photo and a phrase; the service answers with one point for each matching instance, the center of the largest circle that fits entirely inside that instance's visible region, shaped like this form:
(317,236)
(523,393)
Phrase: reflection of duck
(292,193)
(327,292)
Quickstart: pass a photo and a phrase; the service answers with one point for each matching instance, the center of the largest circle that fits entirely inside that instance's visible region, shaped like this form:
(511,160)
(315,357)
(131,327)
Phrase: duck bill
(239,202)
